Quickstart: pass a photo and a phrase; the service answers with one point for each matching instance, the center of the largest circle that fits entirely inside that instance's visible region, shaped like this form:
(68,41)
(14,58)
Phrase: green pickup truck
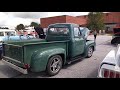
(64,43)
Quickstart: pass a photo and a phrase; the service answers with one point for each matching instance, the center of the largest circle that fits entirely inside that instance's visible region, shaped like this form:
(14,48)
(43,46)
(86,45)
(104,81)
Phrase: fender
(40,58)
(89,44)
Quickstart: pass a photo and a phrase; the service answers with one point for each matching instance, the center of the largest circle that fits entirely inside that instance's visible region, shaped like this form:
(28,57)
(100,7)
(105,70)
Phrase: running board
(74,59)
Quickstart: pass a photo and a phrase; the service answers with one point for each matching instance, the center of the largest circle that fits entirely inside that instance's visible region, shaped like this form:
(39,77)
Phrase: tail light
(110,74)
(26,66)
(117,75)
(106,73)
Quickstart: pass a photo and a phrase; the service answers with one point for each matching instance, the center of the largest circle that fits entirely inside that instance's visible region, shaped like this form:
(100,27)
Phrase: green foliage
(4,28)
(34,24)
(95,21)
(20,27)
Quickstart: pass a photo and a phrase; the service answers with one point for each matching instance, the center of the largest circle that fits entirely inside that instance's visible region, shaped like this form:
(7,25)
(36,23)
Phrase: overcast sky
(11,19)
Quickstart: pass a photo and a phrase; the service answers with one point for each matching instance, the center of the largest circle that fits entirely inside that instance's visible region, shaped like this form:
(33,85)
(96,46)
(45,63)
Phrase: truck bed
(23,51)
(25,42)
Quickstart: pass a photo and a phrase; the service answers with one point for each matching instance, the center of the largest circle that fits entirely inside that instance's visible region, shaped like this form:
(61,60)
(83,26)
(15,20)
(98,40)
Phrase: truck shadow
(44,74)
(33,75)
(7,72)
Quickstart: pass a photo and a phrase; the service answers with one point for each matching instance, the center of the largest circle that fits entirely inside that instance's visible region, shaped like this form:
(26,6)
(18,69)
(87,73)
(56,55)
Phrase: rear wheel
(54,65)
(89,52)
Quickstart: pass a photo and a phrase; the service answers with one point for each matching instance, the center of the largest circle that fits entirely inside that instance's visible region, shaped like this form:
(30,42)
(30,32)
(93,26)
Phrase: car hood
(110,58)
(113,57)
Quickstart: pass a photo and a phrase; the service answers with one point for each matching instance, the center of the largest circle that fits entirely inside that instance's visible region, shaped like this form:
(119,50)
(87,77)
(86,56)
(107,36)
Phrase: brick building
(110,19)
(62,19)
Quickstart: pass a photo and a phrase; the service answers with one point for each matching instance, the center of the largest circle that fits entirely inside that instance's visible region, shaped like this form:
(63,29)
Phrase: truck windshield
(58,31)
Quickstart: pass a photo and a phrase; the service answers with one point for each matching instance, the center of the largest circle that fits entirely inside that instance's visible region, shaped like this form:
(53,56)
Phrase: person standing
(95,34)
(40,32)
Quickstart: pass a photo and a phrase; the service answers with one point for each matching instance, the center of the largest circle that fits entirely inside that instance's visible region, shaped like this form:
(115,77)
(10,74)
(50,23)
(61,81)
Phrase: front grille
(13,51)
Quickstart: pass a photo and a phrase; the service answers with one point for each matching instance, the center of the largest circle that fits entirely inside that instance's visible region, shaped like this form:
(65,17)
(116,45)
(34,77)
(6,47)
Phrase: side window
(76,32)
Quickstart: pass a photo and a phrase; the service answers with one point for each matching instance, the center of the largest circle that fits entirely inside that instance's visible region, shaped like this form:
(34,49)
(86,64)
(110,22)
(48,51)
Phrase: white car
(110,66)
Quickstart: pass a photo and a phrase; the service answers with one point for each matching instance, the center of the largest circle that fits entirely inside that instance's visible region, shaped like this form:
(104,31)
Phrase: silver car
(110,66)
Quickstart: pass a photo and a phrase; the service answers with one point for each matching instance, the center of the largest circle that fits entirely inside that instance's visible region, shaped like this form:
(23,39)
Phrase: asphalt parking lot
(85,68)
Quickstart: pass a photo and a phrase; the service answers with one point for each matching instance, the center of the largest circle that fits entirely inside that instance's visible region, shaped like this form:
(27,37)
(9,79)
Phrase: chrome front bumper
(24,71)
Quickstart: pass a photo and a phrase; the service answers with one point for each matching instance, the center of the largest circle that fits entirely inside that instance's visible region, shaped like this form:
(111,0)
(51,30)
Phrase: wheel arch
(41,58)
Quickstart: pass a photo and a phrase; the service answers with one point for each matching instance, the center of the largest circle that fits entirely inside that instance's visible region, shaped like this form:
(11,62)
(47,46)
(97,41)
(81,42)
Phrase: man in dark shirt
(40,32)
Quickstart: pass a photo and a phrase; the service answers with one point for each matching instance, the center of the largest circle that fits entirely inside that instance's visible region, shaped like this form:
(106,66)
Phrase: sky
(12,19)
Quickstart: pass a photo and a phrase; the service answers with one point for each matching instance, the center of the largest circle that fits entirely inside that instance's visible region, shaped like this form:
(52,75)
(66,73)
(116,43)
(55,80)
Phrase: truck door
(78,42)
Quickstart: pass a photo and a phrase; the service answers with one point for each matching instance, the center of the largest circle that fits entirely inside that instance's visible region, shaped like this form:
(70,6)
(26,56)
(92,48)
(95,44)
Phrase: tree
(34,24)
(95,21)
(20,27)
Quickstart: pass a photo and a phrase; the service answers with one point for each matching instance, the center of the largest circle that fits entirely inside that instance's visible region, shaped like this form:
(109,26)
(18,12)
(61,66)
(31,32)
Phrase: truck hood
(85,32)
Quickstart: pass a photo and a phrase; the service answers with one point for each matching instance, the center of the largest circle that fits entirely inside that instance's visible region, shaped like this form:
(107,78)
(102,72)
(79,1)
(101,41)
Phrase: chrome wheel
(54,65)
(90,52)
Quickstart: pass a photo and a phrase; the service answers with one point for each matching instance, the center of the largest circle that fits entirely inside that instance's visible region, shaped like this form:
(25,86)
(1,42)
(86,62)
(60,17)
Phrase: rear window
(58,31)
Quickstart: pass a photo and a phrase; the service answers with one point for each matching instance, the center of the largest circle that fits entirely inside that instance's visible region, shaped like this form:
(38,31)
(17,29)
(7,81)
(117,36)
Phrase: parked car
(3,34)
(116,35)
(64,43)
(110,66)
(12,38)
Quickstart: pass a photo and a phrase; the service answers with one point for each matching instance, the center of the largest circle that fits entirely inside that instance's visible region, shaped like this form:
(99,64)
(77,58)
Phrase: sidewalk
(100,38)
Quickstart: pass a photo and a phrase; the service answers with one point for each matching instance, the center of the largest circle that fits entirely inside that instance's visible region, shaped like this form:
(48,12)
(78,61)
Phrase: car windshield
(58,31)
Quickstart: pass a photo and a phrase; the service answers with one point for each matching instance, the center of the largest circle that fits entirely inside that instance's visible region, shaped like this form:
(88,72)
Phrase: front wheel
(89,52)
(54,65)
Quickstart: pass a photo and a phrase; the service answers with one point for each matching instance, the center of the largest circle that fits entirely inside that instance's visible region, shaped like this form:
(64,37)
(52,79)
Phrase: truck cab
(64,43)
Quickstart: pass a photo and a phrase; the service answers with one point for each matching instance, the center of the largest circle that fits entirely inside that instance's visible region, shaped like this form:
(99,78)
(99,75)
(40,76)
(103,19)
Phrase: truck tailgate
(13,51)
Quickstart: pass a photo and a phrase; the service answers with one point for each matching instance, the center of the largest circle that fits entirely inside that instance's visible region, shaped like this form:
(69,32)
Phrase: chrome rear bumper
(24,71)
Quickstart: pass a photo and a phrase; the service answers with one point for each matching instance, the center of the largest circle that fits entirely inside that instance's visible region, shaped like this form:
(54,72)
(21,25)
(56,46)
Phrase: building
(110,19)
(45,22)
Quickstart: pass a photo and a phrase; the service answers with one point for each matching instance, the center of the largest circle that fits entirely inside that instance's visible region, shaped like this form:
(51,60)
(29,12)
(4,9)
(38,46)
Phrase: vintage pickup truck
(64,43)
